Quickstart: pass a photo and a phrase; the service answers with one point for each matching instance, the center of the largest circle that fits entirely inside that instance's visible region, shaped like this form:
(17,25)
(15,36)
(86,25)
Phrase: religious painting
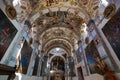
(91,28)
(11,12)
(91,55)
(109,11)
(102,52)
(24,58)
(112,32)
(7,33)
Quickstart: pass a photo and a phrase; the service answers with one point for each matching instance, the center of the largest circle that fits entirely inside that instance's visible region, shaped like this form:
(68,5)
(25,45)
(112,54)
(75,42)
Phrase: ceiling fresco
(61,43)
(56,21)
(57,51)
(31,7)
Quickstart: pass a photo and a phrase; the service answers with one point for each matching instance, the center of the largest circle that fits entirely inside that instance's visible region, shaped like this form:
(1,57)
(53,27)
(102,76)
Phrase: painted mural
(91,28)
(7,33)
(112,33)
(24,58)
(92,54)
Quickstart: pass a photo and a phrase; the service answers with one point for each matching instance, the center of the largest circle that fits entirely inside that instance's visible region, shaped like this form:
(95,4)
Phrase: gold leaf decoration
(109,11)
(11,12)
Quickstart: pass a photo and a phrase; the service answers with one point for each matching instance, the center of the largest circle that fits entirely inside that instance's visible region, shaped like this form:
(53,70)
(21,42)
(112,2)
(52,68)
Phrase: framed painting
(7,33)
(91,28)
(91,55)
(112,32)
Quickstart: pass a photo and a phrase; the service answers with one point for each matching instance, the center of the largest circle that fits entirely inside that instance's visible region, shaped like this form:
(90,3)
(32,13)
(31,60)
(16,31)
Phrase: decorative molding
(11,12)
(109,11)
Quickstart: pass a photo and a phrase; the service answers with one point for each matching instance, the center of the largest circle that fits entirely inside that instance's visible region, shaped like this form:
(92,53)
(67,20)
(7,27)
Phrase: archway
(57,64)
(57,68)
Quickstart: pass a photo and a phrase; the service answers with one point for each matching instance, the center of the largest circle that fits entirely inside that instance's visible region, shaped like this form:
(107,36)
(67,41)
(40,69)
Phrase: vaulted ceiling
(84,8)
(56,23)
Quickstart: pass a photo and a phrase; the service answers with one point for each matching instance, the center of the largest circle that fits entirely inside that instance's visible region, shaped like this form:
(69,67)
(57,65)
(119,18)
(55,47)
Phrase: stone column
(44,65)
(15,51)
(32,62)
(113,65)
(35,45)
(48,70)
(71,66)
(40,63)
(66,70)
(80,44)
(75,57)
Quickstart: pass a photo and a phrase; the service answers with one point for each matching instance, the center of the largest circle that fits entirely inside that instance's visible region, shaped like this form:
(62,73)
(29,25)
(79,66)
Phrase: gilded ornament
(109,11)
(11,12)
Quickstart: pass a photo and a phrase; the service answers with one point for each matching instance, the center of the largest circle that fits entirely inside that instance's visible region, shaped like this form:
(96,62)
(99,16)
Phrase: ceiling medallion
(109,11)
(11,12)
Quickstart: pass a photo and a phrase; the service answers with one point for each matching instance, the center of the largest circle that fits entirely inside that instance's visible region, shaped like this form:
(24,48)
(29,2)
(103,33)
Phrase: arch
(46,10)
(61,27)
(67,50)
(54,39)
(56,56)
(51,41)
